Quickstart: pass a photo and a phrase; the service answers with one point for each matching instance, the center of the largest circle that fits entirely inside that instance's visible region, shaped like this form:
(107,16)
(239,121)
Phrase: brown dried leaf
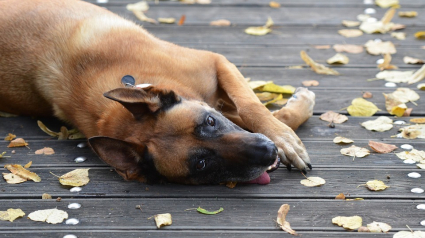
(182,20)
(281,219)
(316,67)
(387,63)
(274,4)
(381,147)
(350,32)
(309,83)
(22,172)
(380,47)
(76,178)
(221,22)
(367,95)
(19,142)
(340,196)
(28,165)
(45,151)
(407,112)
(353,49)
(418,120)
(10,137)
(411,60)
(231,184)
(13,178)
(334,117)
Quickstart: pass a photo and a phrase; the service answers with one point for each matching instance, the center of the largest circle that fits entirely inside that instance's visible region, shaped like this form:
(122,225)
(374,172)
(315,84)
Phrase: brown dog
(184,124)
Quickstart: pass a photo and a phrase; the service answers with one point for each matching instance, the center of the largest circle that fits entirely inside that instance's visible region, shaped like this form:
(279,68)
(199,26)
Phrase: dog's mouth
(264,178)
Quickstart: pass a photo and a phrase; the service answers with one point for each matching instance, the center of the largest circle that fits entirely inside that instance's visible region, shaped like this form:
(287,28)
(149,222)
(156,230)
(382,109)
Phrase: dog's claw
(289,167)
(309,166)
(304,171)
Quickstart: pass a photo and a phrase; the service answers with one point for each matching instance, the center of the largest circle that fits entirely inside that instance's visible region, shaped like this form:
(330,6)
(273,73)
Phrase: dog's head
(183,141)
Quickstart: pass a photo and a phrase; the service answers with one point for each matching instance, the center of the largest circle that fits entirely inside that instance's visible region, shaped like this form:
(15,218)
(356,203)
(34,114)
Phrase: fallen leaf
(11,214)
(363,17)
(221,22)
(378,227)
(316,67)
(393,105)
(163,220)
(350,23)
(10,137)
(338,59)
(411,60)
(350,223)
(421,166)
(355,151)
(395,76)
(380,47)
(2,155)
(258,84)
(414,154)
(350,32)
(274,4)
(182,20)
(295,67)
(22,172)
(340,196)
(334,117)
(279,97)
(420,35)
(169,20)
(28,165)
(409,234)
(407,112)
(46,196)
(408,14)
(45,151)
(382,123)
(418,120)
(13,178)
(64,134)
(273,88)
(382,26)
(206,212)
(266,96)
(362,108)
(313,182)
(421,86)
(322,47)
(309,83)
(399,35)
(417,76)
(387,3)
(406,95)
(376,185)
(76,178)
(413,132)
(398,27)
(367,95)
(281,219)
(387,63)
(281,102)
(260,30)
(381,147)
(231,184)
(342,140)
(52,216)
(18,142)
(353,49)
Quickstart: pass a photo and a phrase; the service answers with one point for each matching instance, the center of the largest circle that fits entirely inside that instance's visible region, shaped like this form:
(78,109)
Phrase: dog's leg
(257,118)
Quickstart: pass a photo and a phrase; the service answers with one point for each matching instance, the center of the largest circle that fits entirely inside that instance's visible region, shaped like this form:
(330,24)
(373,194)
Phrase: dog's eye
(201,164)
(210,121)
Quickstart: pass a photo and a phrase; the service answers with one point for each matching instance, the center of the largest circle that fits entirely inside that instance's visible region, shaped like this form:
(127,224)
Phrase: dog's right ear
(141,102)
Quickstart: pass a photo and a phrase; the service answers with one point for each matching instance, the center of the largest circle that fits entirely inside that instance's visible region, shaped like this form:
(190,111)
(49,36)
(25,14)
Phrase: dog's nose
(264,151)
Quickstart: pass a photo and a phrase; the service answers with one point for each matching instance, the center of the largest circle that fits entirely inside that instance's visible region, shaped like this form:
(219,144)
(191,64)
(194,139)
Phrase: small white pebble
(369,11)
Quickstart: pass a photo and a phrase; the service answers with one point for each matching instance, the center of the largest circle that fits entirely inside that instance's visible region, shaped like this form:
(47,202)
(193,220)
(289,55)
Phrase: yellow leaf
(258,84)
(421,86)
(421,166)
(380,124)
(11,214)
(406,95)
(266,96)
(273,88)
(418,120)
(408,14)
(316,67)
(281,219)
(279,97)
(313,182)
(22,172)
(395,76)
(28,165)
(342,140)
(420,35)
(274,4)
(387,3)
(52,216)
(76,178)
(338,59)
(10,137)
(376,185)
(19,142)
(163,220)
(411,60)
(362,108)
(167,20)
(350,23)
(409,234)
(350,223)
(13,178)
(257,30)
(350,32)
(394,106)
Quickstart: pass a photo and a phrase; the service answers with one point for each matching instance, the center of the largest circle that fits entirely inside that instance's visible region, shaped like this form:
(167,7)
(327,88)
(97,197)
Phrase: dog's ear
(127,158)
(140,101)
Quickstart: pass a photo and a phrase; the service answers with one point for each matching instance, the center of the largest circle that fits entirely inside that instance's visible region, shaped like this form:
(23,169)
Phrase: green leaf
(203,211)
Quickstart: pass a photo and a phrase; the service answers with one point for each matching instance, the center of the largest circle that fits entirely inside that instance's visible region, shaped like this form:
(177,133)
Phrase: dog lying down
(193,119)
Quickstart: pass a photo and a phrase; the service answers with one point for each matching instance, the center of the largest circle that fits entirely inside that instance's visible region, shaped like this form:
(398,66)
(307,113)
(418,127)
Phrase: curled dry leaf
(381,147)
(382,123)
(376,185)
(355,151)
(349,223)
(414,154)
(413,132)
(406,95)
(395,76)
(417,76)
(399,35)
(387,63)
(18,142)
(17,169)
(342,140)
(418,120)
(348,23)
(281,219)
(409,234)
(362,108)
(64,134)
(334,117)
(45,151)
(266,96)
(309,83)
(367,95)
(420,35)
(221,22)
(10,137)
(316,67)
(411,60)
(380,47)
(76,178)
(2,155)
(394,106)
(421,86)
(274,4)
(338,59)
(387,3)
(182,20)
(163,220)
(260,30)
(52,216)
(313,182)
(11,214)
(13,178)
(353,49)
(408,14)
(169,20)
(28,165)
(340,196)
(350,32)
(206,212)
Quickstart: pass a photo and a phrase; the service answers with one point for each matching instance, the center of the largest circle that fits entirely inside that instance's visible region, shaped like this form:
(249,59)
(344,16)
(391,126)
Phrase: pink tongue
(263,179)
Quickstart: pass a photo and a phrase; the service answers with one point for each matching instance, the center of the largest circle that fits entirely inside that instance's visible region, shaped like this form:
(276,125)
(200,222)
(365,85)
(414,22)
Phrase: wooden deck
(109,203)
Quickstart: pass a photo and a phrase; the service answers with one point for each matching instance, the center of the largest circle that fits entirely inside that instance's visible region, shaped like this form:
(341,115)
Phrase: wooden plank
(104,182)
(281,35)
(238,215)
(248,15)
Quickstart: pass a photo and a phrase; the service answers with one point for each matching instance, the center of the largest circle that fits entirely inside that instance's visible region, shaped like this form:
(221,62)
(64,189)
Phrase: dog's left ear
(140,101)
(127,158)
